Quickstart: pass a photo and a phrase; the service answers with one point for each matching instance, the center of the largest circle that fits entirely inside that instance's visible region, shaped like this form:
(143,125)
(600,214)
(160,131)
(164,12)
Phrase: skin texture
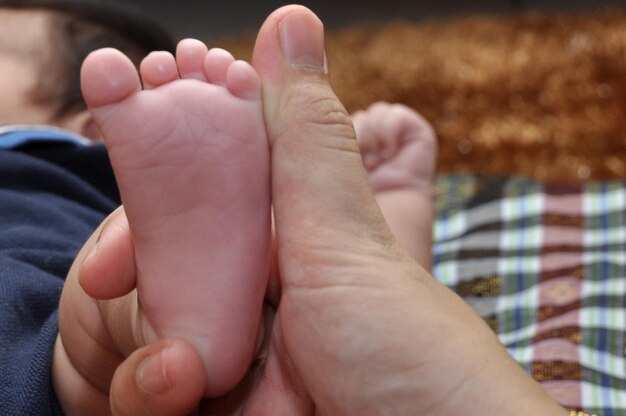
(384,130)
(359,327)
(193,173)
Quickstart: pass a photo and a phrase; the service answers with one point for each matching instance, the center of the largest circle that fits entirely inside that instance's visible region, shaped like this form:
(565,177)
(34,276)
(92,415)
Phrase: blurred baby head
(42,46)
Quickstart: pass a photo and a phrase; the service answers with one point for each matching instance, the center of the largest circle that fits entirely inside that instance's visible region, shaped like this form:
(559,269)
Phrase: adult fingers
(107,262)
(162,379)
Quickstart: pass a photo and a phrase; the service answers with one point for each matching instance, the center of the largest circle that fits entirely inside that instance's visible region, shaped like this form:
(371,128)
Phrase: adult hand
(102,364)
(360,328)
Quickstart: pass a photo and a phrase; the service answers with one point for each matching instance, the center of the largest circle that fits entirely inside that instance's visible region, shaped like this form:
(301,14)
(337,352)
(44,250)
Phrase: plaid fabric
(545,266)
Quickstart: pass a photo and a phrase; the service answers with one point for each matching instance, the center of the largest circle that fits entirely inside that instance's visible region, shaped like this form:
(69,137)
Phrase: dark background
(214,19)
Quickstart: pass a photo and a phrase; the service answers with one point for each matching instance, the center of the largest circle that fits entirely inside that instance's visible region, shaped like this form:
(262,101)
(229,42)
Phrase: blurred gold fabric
(540,95)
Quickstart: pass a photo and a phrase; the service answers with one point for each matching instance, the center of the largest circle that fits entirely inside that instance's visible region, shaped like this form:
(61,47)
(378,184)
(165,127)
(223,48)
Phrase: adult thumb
(322,201)
(161,379)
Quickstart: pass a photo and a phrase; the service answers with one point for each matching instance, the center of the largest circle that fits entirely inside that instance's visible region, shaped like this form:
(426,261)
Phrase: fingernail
(302,40)
(92,253)
(96,244)
(151,375)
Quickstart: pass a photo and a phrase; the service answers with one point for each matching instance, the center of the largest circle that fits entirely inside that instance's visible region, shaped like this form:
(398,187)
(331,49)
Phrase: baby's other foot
(191,158)
(399,152)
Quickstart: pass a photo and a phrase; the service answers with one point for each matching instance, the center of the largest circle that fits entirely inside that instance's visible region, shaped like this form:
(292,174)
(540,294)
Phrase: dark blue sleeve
(48,208)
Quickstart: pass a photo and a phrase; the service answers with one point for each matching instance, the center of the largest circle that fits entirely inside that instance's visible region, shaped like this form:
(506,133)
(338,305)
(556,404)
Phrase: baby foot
(191,158)
(399,151)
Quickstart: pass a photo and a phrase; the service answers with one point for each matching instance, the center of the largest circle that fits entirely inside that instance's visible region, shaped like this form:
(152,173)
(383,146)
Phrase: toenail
(302,40)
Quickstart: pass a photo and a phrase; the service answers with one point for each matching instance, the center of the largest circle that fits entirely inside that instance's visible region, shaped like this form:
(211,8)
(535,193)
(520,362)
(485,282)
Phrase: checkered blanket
(545,266)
